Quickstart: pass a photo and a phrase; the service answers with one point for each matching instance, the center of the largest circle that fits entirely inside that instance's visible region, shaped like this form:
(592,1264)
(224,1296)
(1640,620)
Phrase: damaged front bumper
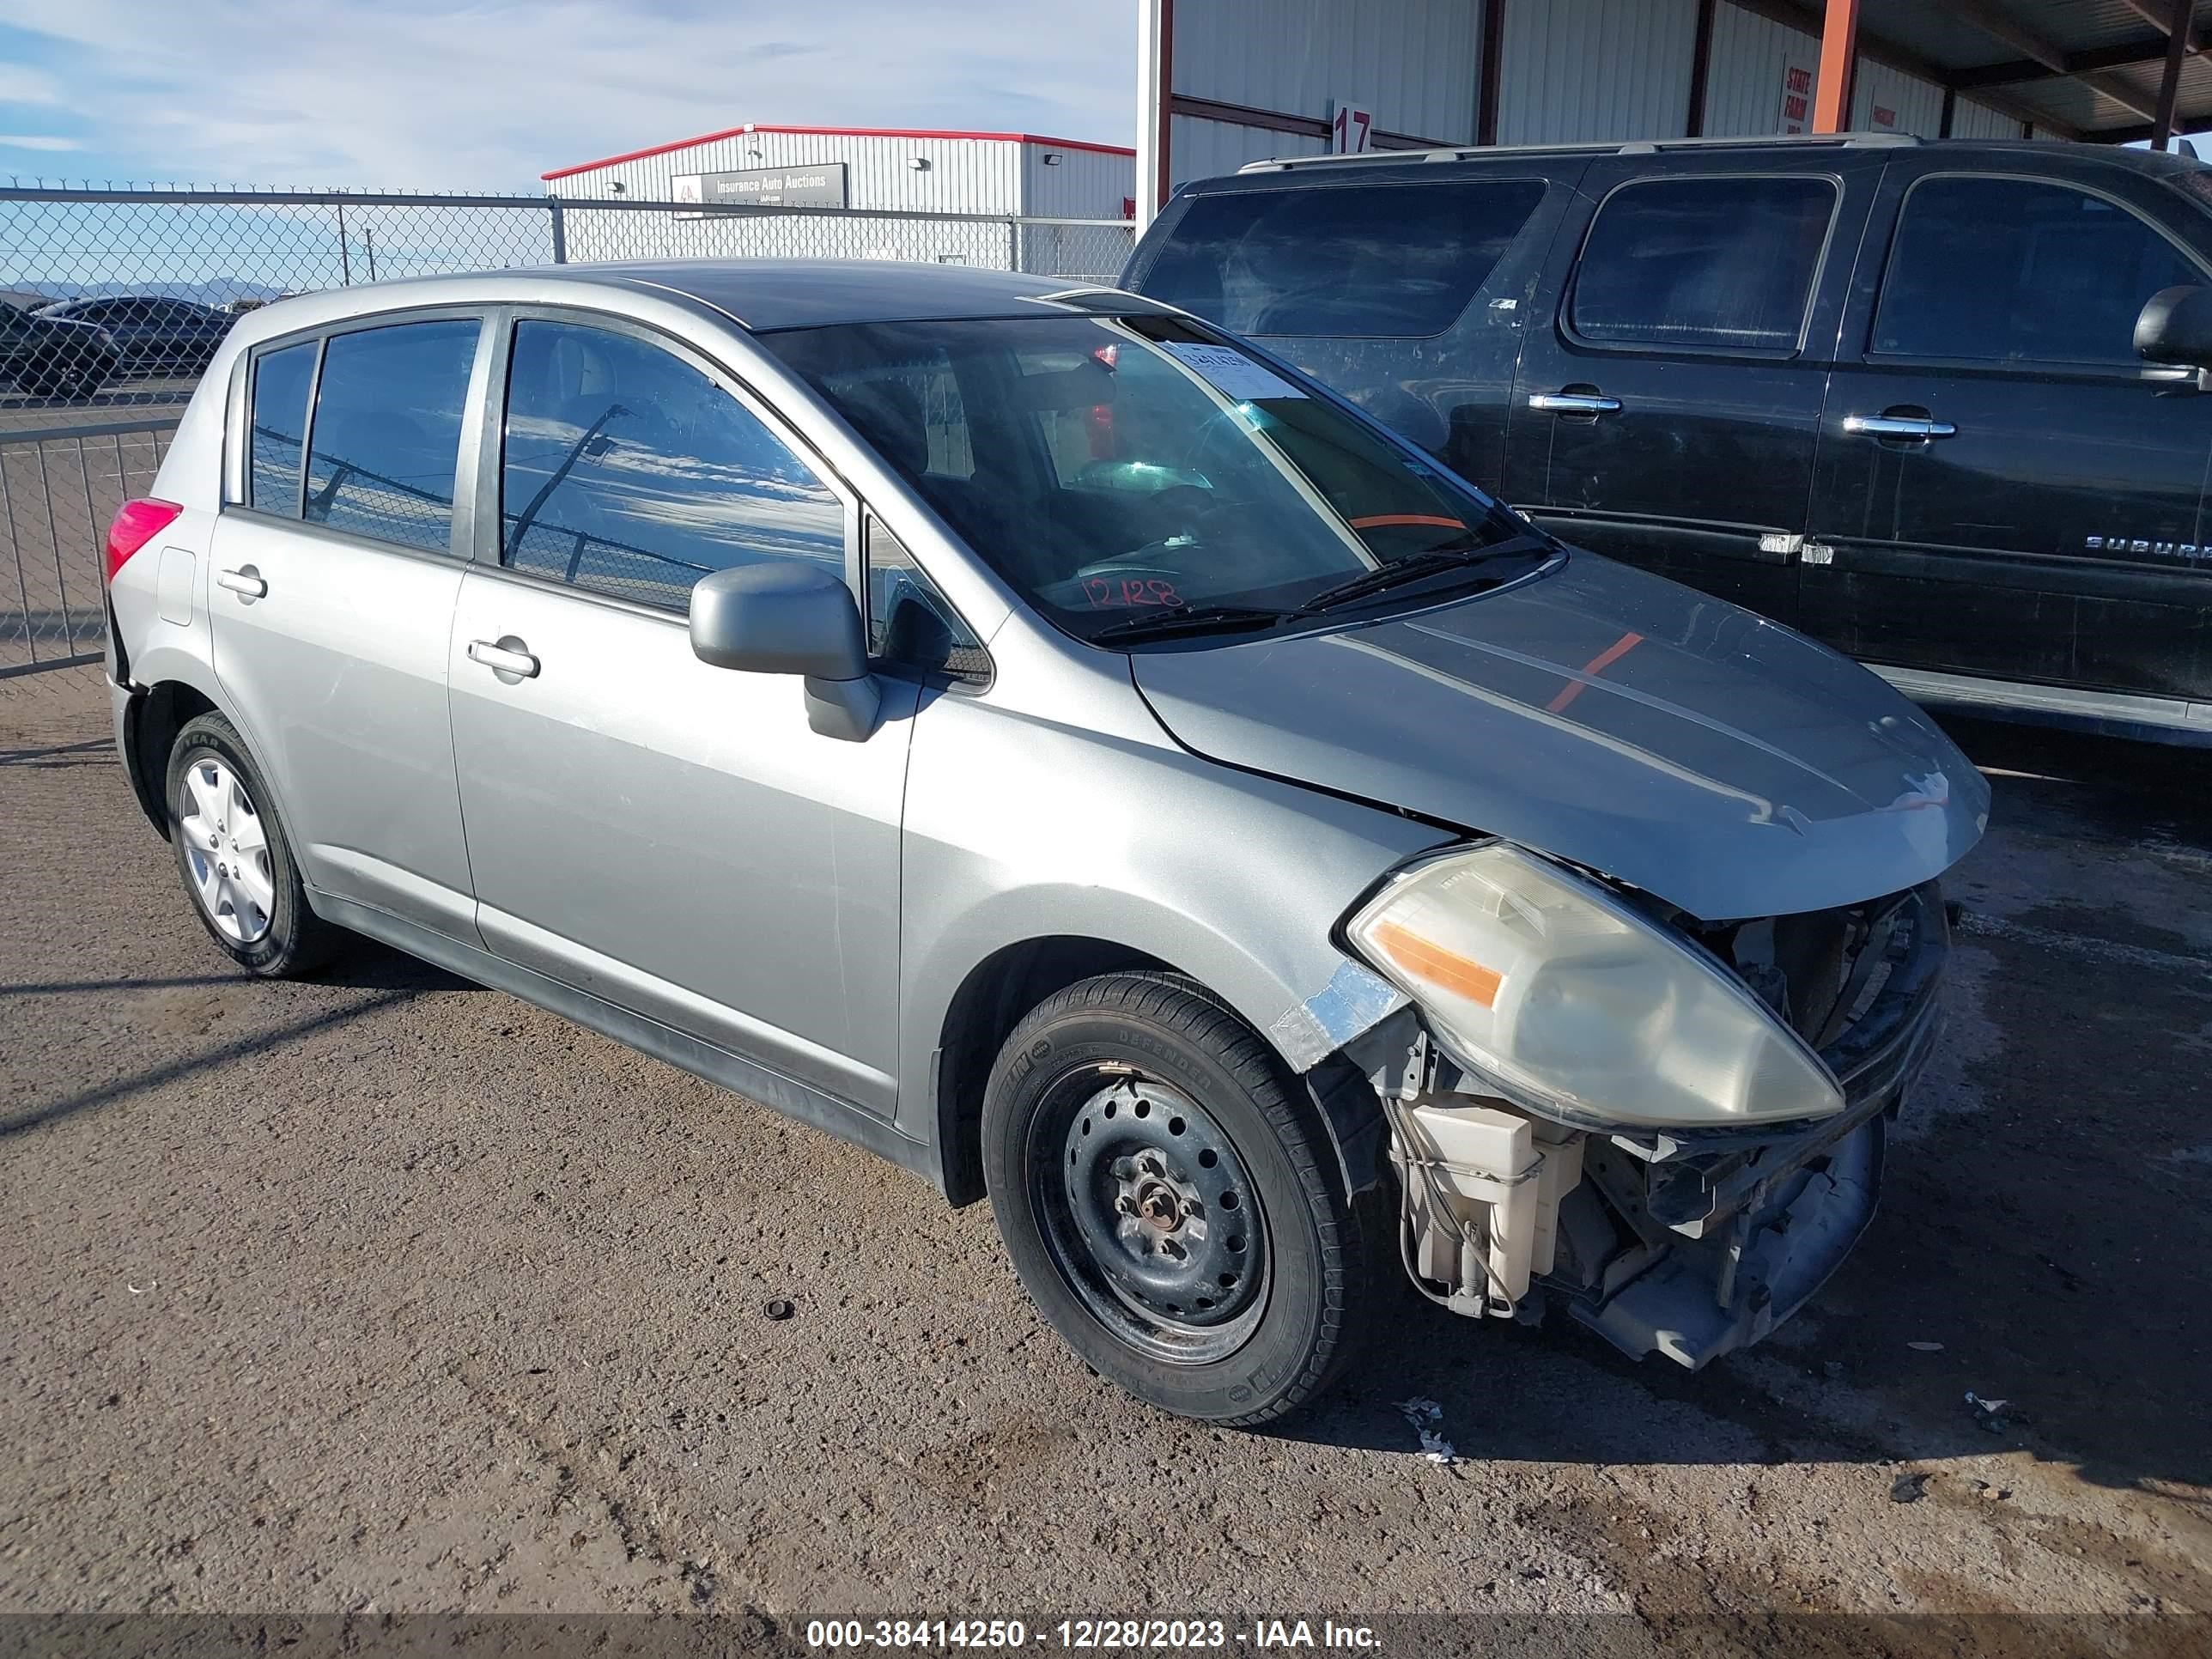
(1690,1244)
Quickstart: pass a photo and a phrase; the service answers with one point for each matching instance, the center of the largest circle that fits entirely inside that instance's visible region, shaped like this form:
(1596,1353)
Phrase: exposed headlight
(1571,1000)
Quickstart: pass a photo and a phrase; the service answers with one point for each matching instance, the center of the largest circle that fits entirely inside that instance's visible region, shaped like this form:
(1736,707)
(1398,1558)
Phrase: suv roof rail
(1630,146)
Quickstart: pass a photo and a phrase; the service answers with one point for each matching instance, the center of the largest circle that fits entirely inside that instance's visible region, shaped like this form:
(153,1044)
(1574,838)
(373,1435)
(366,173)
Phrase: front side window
(910,623)
(1344,260)
(2018,271)
(281,380)
(387,431)
(1722,263)
(627,471)
(1122,467)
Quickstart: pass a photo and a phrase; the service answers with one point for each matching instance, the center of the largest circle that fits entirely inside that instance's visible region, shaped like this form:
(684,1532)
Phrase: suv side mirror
(2176,327)
(788,617)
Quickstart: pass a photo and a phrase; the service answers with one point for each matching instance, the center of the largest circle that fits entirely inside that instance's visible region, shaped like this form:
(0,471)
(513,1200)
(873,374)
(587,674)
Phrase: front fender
(1019,830)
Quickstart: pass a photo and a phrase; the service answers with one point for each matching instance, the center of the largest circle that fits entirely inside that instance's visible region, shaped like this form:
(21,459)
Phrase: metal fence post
(345,257)
(560,232)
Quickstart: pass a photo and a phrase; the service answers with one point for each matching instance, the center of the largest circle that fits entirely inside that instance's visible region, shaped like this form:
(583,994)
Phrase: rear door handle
(504,656)
(1574,402)
(1899,426)
(244,581)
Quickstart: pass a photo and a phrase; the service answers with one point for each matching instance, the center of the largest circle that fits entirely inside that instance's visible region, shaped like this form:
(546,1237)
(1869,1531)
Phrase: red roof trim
(840,132)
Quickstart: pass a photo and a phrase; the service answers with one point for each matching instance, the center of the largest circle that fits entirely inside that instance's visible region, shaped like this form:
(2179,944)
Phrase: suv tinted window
(387,431)
(1343,260)
(627,470)
(2012,271)
(1722,263)
(281,379)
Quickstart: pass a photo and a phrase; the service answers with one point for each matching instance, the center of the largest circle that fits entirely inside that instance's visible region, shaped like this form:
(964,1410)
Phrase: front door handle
(244,581)
(1899,426)
(504,657)
(1574,402)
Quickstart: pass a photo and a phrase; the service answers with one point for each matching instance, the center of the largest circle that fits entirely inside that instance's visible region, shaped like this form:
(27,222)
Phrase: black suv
(53,356)
(1887,392)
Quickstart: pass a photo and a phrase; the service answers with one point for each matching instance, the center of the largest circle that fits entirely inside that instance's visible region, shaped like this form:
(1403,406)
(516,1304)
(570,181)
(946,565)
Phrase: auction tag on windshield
(1230,373)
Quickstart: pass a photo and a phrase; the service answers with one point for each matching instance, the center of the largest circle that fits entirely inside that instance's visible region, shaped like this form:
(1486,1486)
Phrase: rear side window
(1345,261)
(2016,270)
(1722,264)
(628,472)
(281,379)
(387,431)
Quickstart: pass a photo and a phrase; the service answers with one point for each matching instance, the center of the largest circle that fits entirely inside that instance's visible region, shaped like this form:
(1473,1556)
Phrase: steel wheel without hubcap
(1150,1214)
(226,850)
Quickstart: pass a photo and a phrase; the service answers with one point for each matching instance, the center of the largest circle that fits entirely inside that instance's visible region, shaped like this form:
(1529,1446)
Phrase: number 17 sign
(1351,130)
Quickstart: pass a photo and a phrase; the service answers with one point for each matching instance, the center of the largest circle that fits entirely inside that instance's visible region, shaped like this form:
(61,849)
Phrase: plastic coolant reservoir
(1489,1163)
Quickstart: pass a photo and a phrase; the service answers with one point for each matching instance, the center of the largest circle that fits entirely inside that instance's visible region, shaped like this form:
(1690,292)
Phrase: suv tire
(235,858)
(1172,1203)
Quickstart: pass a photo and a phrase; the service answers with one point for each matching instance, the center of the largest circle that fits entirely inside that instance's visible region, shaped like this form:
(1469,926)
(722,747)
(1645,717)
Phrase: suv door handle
(504,656)
(1899,426)
(244,581)
(1574,402)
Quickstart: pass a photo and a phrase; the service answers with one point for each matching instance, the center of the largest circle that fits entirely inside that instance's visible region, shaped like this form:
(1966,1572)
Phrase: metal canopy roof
(2086,69)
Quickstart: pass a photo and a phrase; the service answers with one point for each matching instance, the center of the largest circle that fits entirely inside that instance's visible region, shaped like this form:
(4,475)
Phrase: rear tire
(236,859)
(1172,1203)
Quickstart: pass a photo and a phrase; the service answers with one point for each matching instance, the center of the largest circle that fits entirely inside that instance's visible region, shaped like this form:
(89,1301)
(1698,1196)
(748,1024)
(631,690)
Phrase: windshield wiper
(1413,567)
(1187,619)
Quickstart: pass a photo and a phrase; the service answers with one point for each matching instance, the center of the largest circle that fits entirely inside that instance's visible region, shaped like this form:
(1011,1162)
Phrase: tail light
(138,523)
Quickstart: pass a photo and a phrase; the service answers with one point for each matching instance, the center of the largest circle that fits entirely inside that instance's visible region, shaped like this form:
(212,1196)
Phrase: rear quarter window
(1341,261)
(279,426)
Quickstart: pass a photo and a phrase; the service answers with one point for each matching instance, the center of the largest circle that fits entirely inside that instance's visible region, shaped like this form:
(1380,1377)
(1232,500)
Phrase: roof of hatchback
(768,294)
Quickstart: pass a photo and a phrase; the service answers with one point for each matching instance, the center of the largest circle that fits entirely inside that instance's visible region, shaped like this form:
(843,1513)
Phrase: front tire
(235,858)
(1171,1201)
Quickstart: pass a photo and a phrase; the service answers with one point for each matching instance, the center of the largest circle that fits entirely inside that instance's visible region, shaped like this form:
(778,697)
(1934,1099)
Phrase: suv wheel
(1171,1203)
(235,860)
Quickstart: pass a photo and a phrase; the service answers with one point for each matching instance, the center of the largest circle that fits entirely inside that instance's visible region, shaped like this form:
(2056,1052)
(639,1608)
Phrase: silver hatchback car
(1066,751)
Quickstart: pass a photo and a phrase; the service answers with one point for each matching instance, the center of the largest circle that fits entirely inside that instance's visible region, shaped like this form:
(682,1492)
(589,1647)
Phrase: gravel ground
(388,1292)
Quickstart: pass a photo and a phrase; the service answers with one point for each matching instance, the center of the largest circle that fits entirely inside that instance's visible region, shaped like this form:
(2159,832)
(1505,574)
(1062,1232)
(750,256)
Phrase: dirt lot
(386,1292)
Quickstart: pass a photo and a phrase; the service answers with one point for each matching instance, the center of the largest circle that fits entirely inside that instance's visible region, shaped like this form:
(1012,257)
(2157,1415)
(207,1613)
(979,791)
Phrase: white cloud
(403,94)
(19,84)
(36,141)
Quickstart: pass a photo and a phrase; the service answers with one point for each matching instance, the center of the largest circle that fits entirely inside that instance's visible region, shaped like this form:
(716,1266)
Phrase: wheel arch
(151,721)
(997,993)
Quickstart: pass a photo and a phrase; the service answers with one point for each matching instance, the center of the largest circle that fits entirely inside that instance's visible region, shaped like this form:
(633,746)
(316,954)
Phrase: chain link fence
(112,303)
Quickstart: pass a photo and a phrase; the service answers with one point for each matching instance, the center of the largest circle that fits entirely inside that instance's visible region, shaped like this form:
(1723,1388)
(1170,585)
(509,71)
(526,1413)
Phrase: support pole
(1493,49)
(2169,86)
(1839,51)
(1155,90)
(1701,69)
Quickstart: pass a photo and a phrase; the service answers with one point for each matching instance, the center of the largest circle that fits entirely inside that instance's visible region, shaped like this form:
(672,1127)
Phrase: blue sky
(400,94)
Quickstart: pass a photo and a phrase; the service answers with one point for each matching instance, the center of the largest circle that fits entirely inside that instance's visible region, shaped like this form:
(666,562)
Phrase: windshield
(1115,468)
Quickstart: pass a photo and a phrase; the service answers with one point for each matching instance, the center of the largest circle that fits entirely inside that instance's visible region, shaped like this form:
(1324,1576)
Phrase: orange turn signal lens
(1447,970)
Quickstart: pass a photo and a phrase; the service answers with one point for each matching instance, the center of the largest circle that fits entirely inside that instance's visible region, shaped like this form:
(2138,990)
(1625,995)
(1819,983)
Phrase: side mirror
(2176,327)
(788,617)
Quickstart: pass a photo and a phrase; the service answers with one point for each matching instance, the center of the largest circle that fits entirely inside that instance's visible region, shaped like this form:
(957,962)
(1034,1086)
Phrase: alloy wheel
(226,850)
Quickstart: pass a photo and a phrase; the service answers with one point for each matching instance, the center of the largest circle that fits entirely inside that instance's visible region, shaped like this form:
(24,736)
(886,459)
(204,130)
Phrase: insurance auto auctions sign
(821,184)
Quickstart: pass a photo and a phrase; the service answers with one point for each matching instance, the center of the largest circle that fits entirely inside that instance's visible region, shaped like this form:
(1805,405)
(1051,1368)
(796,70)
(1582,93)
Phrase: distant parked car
(156,334)
(54,357)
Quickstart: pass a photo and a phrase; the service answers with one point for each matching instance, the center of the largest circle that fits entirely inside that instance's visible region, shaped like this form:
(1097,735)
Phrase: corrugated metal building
(1222,82)
(910,175)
